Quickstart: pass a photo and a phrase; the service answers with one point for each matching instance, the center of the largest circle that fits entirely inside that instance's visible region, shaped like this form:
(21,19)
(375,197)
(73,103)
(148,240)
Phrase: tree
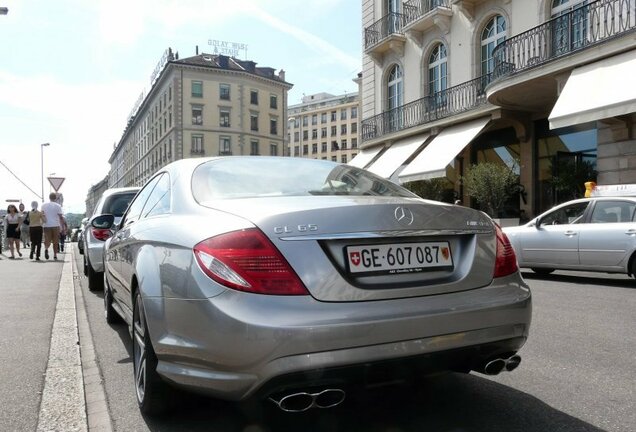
(436,189)
(491,184)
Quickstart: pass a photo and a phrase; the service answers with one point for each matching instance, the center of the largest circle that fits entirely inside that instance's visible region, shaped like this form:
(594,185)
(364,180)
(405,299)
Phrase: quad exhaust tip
(303,401)
(498,365)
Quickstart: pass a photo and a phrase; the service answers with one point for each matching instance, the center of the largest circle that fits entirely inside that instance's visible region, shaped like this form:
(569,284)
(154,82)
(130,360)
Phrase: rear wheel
(95,279)
(85,266)
(542,271)
(152,393)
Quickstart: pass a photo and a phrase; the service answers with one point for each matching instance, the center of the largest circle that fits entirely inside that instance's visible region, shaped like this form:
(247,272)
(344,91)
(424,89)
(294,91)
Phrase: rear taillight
(506,260)
(247,261)
(101,234)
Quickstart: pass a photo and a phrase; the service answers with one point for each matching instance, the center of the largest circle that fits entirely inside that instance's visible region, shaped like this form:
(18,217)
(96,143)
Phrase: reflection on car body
(591,234)
(235,277)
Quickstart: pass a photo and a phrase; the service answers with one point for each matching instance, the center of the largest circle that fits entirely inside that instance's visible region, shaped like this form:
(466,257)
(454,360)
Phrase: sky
(71,71)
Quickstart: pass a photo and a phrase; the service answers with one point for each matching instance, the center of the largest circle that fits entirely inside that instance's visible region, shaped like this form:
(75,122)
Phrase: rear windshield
(248,177)
(117,204)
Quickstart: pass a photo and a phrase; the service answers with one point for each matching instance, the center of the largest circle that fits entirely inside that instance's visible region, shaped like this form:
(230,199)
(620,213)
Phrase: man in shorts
(54,219)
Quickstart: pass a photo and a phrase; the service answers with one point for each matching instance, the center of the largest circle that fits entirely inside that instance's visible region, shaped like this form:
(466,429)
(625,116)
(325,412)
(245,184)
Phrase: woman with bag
(36,220)
(12,223)
(24,226)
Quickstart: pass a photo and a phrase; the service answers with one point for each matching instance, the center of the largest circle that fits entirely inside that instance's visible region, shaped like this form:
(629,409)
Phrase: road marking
(63,407)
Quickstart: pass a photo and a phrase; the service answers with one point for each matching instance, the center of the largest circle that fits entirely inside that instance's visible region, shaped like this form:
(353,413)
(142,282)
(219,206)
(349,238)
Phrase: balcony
(530,66)
(454,100)
(421,15)
(385,35)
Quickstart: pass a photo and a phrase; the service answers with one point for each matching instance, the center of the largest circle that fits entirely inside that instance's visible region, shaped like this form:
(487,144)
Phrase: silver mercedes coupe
(295,280)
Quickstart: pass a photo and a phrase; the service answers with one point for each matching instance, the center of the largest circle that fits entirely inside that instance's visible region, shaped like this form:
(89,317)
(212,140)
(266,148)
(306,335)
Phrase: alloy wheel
(139,349)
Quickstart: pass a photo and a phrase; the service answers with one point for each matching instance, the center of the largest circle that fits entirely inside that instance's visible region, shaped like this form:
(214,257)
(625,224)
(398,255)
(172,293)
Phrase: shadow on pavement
(627,282)
(453,403)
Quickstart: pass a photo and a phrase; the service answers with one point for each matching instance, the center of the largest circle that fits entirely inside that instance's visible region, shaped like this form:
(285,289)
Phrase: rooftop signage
(165,58)
(231,49)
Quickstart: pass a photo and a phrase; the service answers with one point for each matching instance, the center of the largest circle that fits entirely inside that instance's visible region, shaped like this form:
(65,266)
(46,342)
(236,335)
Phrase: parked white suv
(113,201)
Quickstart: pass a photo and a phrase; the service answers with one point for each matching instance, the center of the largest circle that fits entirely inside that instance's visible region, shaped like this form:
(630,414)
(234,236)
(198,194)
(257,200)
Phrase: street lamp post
(42,160)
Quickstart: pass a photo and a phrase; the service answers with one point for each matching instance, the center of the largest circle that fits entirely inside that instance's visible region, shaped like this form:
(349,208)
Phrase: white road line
(63,406)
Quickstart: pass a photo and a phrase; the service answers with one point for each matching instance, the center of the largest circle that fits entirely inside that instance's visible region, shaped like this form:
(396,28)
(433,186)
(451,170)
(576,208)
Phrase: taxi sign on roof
(614,190)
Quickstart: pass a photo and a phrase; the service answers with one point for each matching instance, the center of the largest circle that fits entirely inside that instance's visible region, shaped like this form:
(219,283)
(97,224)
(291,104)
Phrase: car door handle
(631,232)
(570,233)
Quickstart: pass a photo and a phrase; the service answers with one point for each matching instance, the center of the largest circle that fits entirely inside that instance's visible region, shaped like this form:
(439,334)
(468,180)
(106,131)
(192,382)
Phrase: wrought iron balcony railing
(389,24)
(578,29)
(415,9)
(454,100)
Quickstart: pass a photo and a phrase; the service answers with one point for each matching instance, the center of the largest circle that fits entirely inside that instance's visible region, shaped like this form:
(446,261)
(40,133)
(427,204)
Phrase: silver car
(113,201)
(286,279)
(591,234)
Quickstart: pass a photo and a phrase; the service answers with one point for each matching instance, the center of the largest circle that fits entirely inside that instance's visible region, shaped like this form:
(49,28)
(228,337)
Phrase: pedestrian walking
(53,219)
(36,220)
(24,227)
(63,232)
(12,223)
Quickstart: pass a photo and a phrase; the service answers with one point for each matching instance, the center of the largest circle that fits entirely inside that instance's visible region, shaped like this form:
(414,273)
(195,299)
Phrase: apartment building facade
(205,105)
(324,126)
(541,86)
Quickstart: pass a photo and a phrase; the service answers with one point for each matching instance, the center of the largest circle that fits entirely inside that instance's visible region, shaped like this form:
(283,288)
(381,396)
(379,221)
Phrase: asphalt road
(577,374)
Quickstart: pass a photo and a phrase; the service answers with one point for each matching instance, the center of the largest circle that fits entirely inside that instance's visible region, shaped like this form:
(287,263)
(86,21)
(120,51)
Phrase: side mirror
(537,223)
(105,221)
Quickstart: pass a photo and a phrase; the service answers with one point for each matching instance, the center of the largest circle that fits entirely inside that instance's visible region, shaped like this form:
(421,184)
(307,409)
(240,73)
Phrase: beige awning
(434,159)
(396,155)
(597,91)
(363,158)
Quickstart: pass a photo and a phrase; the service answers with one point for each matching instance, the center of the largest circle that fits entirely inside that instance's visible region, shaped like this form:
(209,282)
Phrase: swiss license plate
(398,258)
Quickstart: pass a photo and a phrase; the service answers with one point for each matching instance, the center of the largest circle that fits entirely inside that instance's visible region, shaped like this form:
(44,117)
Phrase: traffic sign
(56,182)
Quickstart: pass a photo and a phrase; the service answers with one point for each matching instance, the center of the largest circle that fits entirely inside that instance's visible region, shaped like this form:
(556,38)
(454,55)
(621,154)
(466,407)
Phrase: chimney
(281,75)
(197,50)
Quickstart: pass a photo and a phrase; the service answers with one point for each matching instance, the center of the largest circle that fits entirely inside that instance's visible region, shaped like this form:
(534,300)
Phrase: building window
(394,88)
(305,120)
(197,144)
(323,132)
(273,126)
(273,101)
(343,158)
(334,158)
(254,148)
(570,29)
(334,116)
(254,122)
(314,134)
(437,70)
(254,97)
(323,147)
(296,151)
(197,89)
(354,143)
(314,148)
(224,118)
(224,91)
(343,114)
(323,117)
(343,144)
(305,135)
(273,149)
(343,129)
(354,112)
(494,33)
(354,127)
(296,136)
(197,115)
(305,149)
(334,146)
(225,146)
(334,130)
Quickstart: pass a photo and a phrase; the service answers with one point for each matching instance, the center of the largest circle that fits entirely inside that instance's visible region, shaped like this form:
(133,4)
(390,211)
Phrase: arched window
(570,29)
(437,70)
(494,33)
(394,88)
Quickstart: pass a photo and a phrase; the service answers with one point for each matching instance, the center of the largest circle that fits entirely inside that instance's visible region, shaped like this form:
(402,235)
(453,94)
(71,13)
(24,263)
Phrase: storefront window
(565,160)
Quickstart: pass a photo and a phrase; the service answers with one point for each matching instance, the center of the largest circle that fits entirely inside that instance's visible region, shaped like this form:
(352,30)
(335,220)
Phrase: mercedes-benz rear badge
(404,216)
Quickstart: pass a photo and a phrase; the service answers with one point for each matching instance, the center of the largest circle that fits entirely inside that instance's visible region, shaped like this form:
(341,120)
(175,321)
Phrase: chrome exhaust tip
(494,367)
(513,362)
(303,401)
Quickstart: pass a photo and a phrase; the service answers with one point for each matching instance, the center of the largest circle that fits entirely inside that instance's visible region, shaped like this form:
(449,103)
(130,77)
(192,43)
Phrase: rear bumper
(238,345)
(95,252)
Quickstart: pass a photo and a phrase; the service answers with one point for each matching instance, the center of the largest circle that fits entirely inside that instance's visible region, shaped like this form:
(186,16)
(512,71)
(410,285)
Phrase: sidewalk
(46,349)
